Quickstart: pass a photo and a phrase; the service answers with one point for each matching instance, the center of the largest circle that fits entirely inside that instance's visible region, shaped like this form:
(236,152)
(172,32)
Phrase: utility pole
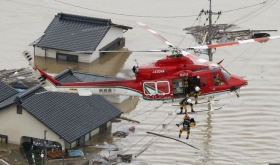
(210,32)
(210,29)
(45,148)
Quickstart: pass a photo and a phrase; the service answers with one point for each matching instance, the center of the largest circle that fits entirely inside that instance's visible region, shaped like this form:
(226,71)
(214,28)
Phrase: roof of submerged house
(76,33)
(67,114)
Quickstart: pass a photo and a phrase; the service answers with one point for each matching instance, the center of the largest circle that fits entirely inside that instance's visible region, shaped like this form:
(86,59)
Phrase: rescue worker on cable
(187,124)
(197,93)
(183,105)
(186,117)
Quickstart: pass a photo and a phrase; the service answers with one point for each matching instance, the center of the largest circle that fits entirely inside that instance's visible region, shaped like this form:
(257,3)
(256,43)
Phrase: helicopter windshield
(214,68)
(226,75)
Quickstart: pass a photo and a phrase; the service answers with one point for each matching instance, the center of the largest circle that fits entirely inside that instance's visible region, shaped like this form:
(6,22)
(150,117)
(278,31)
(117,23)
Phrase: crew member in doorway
(183,105)
(197,93)
(191,86)
(217,80)
(187,124)
(186,87)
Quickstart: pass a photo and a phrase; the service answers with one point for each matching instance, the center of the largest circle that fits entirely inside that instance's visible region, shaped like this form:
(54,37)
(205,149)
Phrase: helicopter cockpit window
(218,80)
(226,75)
(214,68)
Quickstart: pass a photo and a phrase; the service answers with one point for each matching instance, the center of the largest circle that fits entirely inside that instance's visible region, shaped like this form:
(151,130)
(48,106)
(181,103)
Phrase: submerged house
(69,119)
(78,38)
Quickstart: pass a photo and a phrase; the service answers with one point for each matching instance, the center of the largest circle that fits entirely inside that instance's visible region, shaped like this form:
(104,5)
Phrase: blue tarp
(75,153)
(20,90)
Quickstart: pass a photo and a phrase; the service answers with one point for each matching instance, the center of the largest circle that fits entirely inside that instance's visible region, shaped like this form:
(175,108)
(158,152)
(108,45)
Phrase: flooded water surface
(245,131)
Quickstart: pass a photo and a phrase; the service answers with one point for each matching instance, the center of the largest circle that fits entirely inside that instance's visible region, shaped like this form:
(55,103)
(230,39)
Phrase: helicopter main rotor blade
(156,34)
(85,52)
(134,51)
(264,39)
(118,51)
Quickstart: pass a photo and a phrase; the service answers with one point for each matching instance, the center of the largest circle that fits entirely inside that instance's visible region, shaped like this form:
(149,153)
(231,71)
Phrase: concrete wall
(111,35)
(17,125)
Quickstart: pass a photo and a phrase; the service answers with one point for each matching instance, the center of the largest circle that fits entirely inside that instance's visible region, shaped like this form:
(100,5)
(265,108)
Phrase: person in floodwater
(183,105)
(187,124)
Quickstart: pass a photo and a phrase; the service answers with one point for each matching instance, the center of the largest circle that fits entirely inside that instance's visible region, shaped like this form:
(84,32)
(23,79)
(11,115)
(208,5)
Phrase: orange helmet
(187,116)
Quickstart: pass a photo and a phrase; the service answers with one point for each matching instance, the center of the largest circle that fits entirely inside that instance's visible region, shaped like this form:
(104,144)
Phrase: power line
(128,15)
(251,13)
(245,7)
(259,12)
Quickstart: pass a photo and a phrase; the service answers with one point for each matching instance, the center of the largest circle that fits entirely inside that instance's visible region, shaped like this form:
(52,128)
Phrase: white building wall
(39,52)
(17,125)
(51,53)
(94,132)
(111,35)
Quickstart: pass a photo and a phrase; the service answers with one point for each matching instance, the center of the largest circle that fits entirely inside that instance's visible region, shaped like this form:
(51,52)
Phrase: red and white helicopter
(162,80)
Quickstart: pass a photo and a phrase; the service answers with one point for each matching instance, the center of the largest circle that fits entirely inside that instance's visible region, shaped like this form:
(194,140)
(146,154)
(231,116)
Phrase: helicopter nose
(238,81)
(245,83)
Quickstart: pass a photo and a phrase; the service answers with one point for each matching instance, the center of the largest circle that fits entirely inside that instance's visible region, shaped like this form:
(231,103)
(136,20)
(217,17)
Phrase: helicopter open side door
(156,90)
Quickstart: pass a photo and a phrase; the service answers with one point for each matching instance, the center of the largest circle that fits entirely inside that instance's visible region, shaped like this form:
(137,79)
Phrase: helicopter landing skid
(216,109)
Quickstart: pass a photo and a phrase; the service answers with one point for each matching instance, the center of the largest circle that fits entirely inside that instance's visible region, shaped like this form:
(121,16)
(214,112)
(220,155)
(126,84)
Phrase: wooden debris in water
(172,139)
(125,118)
(125,158)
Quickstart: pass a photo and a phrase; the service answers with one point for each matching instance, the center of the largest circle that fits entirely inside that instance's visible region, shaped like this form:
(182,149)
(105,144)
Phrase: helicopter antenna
(136,62)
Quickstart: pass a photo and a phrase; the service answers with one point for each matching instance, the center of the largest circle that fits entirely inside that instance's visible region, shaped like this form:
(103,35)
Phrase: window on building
(103,127)
(67,57)
(19,109)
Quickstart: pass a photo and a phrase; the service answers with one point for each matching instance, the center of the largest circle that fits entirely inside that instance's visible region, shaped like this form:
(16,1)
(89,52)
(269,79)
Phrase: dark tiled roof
(87,77)
(30,92)
(68,114)
(67,77)
(74,76)
(19,97)
(9,101)
(75,33)
(6,91)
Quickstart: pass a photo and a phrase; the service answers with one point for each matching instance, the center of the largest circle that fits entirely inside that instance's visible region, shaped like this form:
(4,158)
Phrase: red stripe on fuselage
(261,39)
(50,78)
(125,83)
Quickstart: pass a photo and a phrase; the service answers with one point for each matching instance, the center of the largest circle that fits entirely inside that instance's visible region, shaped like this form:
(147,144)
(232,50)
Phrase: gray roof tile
(75,76)
(68,114)
(67,77)
(6,91)
(75,33)
(88,77)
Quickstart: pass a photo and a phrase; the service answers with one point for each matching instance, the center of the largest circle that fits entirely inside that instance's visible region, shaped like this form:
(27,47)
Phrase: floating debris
(125,118)
(75,153)
(120,134)
(125,158)
(221,33)
(132,128)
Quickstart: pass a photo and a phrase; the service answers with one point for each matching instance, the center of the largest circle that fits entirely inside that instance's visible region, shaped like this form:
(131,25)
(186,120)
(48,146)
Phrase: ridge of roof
(6,91)
(94,20)
(29,92)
